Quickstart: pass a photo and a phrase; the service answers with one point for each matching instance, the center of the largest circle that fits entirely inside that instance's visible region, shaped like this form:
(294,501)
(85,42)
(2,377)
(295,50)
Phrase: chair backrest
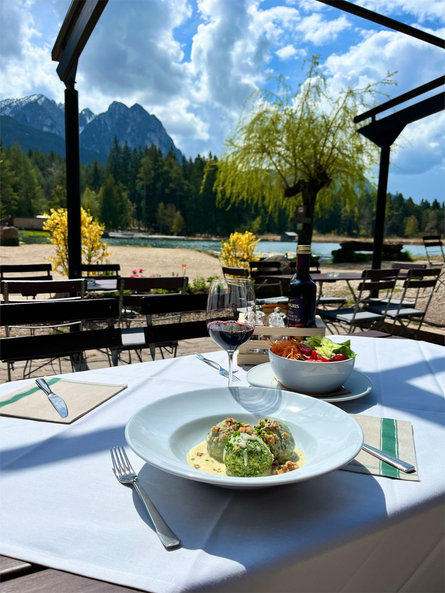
(373,282)
(434,249)
(24,271)
(407,266)
(140,287)
(421,285)
(158,304)
(58,344)
(235,272)
(32,288)
(257,268)
(101,270)
(57,310)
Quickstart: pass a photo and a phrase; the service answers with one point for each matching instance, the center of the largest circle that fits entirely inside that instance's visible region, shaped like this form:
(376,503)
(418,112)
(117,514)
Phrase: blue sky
(193,63)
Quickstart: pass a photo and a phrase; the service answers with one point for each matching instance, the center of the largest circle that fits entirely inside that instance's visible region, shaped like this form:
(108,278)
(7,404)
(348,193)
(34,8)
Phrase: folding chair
(132,292)
(25,271)
(49,345)
(435,255)
(51,289)
(372,282)
(164,324)
(418,289)
(266,288)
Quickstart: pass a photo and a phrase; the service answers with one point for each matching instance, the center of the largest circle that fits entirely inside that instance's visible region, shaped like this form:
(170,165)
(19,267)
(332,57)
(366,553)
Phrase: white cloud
(423,10)
(320,31)
(420,146)
(289,51)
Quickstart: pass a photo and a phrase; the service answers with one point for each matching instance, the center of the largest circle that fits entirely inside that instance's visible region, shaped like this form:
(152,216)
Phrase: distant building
(289,236)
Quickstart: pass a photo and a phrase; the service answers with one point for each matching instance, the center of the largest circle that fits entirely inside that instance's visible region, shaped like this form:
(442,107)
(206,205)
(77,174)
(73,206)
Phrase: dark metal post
(381,207)
(72,181)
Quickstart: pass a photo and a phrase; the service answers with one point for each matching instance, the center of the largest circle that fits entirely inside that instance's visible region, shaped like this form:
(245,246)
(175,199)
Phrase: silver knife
(56,400)
(217,366)
(394,461)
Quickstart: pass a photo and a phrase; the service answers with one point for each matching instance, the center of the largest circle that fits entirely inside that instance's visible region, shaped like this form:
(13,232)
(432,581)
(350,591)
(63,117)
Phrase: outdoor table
(102,284)
(320,277)
(61,506)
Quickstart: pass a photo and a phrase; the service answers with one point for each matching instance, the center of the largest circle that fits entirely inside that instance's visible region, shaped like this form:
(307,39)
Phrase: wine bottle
(302,292)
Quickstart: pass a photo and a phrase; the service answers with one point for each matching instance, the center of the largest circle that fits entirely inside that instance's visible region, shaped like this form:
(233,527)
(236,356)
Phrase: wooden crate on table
(255,350)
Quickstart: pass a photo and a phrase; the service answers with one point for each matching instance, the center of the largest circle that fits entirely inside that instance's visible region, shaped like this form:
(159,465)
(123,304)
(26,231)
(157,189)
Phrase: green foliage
(200,284)
(115,208)
(291,148)
(32,183)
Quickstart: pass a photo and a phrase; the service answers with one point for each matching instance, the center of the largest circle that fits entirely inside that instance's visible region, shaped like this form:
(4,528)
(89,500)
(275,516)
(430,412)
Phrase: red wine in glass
(228,299)
(229,335)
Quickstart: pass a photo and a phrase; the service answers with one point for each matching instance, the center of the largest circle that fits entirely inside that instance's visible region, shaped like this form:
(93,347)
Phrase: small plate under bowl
(164,431)
(357,383)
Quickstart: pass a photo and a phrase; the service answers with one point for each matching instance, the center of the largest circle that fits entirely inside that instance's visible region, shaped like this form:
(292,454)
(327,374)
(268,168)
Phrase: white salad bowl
(307,376)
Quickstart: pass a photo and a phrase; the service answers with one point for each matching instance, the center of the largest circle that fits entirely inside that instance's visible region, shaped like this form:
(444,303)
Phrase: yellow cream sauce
(199,458)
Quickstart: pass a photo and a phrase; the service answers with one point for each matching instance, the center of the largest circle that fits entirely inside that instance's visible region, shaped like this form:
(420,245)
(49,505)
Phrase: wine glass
(227,320)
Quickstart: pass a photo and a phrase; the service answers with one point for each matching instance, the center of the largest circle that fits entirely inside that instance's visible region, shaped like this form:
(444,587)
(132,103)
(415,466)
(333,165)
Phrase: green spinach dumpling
(246,455)
(219,434)
(277,435)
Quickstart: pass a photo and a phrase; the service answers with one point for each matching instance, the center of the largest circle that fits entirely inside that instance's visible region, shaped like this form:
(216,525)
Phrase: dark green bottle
(302,292)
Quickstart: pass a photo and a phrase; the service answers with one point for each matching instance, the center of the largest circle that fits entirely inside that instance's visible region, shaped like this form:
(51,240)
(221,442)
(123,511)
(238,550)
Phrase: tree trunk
(309,197)
(309,190)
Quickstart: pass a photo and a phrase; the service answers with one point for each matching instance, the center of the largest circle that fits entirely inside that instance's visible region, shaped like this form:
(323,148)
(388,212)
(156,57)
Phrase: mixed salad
(313,348)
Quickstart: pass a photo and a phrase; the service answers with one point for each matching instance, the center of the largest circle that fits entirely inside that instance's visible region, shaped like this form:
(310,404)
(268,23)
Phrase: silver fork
(125,473)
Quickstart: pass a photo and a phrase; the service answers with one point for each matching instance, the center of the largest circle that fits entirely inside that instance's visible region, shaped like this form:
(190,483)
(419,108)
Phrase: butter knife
(58,403)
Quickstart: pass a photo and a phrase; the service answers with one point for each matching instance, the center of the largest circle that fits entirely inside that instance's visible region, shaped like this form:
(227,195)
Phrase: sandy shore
(154,261)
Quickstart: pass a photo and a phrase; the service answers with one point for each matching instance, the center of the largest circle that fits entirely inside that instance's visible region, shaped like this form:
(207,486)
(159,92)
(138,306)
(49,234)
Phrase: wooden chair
(372,282)
(25,271)
(56,345)
(164,325)
(418,289)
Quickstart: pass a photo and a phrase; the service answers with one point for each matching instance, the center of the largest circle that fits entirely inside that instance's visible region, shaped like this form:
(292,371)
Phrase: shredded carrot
(287,348)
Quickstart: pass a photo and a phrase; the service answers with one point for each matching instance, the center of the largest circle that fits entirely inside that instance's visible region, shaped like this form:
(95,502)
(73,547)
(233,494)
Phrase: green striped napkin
(395,437)
(80,397)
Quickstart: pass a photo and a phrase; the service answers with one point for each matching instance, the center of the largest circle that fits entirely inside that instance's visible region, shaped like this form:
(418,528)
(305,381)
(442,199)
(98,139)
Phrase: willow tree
(291,148)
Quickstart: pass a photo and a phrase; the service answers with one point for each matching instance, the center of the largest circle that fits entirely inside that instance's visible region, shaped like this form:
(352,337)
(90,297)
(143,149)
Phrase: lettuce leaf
(328,348)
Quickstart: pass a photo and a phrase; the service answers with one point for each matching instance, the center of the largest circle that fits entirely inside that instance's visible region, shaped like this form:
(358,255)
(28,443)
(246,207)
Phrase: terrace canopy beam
(384,132)
(385,21)
(76,29)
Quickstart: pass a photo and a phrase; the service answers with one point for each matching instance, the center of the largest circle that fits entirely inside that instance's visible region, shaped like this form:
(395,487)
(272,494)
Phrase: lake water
(323,250)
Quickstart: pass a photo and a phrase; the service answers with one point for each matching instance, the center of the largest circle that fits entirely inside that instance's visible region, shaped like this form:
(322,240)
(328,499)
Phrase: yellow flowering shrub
(93,250)
(238,250)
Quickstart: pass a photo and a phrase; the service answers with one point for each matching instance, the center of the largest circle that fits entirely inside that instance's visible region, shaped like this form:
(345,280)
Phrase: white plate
(357,383)
(163,432)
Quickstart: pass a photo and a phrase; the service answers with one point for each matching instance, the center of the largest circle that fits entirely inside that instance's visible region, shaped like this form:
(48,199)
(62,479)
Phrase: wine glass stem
(230,356)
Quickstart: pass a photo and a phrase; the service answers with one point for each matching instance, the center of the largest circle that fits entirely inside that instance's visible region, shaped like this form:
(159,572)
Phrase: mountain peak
(133,125)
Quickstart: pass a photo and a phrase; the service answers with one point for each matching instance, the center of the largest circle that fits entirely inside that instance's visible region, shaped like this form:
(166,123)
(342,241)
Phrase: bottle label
(297,313)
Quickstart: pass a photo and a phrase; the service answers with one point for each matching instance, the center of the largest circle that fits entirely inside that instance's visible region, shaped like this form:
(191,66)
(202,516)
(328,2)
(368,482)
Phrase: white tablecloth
(61,506)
